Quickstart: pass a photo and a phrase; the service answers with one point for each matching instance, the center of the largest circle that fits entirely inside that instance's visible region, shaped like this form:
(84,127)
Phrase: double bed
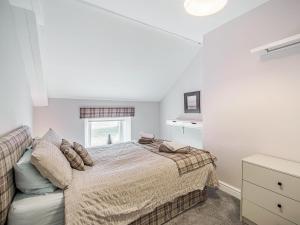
(129,184)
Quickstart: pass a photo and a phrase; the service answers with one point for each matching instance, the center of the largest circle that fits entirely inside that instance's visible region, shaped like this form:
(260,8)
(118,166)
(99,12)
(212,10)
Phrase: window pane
(101,129)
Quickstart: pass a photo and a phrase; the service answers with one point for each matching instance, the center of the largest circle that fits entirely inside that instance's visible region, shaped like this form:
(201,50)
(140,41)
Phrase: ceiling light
(204,7)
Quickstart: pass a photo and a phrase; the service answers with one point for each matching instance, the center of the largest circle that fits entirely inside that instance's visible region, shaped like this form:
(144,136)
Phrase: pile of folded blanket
(146,138)
(163,146)
(173,147)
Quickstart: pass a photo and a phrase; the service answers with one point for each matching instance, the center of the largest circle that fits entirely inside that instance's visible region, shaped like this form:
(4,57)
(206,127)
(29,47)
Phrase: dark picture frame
(192,102)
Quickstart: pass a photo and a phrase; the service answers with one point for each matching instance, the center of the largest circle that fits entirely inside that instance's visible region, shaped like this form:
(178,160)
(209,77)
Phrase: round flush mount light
(204,7)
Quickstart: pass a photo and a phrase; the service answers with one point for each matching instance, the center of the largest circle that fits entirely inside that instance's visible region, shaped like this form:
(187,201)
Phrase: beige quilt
(126,182)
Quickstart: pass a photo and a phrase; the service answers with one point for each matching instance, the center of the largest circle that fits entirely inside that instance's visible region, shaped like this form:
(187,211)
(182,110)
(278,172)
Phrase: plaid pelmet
(186,162)
(12,147)
(70,154)
(169,210)
(102,112)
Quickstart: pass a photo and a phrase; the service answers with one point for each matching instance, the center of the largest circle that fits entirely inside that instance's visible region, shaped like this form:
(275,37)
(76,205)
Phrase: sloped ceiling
(91,53)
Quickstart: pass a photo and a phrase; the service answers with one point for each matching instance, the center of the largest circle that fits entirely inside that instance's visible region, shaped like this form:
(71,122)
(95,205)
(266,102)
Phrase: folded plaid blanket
(144,140)
(187,161)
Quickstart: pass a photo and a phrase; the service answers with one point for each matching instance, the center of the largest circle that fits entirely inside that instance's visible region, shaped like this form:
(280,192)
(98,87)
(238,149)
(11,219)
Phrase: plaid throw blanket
(186,162)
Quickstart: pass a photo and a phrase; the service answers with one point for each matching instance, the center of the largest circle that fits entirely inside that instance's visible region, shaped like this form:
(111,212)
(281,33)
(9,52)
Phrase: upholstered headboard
(12,146)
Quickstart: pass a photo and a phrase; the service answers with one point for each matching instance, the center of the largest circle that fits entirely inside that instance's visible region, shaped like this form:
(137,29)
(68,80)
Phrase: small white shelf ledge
(277,45)
(185,124)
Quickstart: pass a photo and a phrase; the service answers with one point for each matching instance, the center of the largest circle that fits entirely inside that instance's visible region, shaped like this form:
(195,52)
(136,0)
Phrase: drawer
(278,182)
(277,204)
(260,216)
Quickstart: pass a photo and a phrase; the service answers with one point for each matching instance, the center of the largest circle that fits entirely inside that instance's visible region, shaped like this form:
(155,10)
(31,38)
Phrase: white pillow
(52,164)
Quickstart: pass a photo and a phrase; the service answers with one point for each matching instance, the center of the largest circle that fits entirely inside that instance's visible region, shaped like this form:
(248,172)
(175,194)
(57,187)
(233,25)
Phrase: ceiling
(171,15)
(89,52)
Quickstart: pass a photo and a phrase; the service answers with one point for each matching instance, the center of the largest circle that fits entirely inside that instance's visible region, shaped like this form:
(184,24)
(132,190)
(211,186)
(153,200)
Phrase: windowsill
(107,145)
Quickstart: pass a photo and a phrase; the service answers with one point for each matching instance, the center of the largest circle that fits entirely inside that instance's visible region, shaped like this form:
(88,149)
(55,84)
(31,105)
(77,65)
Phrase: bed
(129,184)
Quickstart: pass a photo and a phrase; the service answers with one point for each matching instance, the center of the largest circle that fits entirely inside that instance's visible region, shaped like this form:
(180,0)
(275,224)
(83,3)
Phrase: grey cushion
(28,179)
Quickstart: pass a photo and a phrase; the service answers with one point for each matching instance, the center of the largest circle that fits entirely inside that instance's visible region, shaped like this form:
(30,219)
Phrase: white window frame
(125,125)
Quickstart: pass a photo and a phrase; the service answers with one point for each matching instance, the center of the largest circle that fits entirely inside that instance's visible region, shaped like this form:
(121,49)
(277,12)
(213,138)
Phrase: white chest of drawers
(270,191)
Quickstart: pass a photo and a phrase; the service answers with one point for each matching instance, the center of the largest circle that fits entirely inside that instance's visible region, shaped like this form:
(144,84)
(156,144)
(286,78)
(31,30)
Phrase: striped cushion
(12,146)
(85,156)
(73,158)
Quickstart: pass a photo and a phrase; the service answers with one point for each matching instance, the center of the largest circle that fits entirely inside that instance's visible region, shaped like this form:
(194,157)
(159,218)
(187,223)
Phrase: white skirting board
(233,191)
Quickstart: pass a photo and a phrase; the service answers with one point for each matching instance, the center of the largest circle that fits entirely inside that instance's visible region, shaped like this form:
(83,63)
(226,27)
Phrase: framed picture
(192,102)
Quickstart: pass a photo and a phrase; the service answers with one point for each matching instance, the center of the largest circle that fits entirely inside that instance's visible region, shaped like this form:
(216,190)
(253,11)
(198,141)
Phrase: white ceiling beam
(29,39)
(38,11)
(31,5)
(24,4)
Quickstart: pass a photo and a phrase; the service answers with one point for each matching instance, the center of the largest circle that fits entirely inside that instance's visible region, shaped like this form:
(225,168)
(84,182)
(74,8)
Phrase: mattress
(45,209)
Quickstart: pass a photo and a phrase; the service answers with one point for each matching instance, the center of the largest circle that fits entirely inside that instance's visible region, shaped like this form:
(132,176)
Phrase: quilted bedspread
(126,182)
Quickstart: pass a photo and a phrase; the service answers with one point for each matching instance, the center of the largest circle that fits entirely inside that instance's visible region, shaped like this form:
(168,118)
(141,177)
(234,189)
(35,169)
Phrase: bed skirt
(169,210)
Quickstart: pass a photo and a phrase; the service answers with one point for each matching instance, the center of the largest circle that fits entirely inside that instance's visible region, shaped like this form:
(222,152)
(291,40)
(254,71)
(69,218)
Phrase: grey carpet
(219,209)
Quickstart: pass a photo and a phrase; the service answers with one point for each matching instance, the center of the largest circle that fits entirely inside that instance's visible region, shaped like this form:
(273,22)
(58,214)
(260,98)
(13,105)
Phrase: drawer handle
(279,183)
(279,206)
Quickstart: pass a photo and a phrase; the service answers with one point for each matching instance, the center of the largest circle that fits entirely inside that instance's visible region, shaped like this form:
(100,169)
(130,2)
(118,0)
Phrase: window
(98,130)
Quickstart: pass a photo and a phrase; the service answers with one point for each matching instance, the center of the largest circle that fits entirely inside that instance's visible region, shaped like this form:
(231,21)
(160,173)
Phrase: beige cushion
(173,147)
(52,164)
(73,158)
(53,137)
(85,156)
(50,136)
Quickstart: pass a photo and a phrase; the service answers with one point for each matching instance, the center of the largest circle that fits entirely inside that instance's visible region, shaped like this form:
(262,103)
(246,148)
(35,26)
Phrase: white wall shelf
(277,45)
(185,124)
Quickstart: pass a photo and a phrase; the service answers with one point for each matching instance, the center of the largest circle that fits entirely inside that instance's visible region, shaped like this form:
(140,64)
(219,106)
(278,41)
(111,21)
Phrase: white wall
(15,99)
(172,106)
(63,116)
(249,105)
(252,105)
